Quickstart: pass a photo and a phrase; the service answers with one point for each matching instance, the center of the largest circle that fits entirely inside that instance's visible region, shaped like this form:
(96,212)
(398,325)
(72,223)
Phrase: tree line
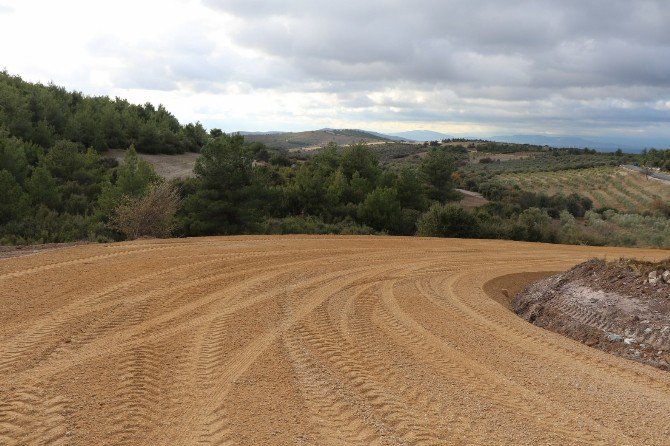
(44,114)
(55,186)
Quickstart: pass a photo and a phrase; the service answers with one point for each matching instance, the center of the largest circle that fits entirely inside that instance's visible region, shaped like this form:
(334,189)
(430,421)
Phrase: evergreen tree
(13,202)
(226,196)
(381,210)
(438,167)
(43,188)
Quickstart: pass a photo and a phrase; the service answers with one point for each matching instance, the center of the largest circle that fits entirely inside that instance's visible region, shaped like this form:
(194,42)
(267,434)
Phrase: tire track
(484,382)
(338,340)
(28,415)
(213,411)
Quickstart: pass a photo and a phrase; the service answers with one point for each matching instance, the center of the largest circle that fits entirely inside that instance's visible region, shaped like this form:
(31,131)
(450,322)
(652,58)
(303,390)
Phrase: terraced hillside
(607,186)
(306,340)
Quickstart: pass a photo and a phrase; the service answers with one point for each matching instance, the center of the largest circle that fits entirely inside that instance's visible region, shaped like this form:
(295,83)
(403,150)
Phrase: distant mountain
(314,138)
(604,144)
(386,136)
(420,135)
(243,133)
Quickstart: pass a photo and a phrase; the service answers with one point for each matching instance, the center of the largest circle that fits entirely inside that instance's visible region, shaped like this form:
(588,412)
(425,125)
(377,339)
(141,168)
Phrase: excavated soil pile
(611,306)
(303,340)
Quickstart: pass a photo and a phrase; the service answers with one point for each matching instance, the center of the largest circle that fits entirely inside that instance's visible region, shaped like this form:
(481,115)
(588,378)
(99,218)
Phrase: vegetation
(607,187)
(313,139)
(149,215)
(43,115)
(656,158)
(549,161)
(55,186)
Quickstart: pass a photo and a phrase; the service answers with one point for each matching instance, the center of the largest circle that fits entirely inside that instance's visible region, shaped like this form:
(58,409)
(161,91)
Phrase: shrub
(381,209)
(448,221)
(537,224)
(312,225)
(150,215)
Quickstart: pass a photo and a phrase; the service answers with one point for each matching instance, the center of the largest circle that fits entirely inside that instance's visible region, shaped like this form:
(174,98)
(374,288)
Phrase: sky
(463,67)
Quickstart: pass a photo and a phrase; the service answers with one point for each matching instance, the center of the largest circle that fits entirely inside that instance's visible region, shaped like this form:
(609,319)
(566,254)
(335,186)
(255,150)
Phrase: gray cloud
(598,64)
(535,43)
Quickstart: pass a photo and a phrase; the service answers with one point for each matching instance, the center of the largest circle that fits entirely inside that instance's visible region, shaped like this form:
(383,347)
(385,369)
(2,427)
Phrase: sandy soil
(24,250)
(309,341)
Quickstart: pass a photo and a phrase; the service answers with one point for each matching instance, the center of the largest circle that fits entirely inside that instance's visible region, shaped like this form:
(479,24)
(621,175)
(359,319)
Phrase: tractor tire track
(335,340)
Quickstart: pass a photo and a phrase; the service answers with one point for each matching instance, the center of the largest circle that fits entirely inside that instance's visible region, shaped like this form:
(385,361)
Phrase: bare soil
(605,305)
(167,166)
(306,340)
(471,199)
(7,251)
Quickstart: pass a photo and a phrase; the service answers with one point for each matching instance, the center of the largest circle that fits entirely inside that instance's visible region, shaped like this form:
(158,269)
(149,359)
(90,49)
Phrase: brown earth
(23,250)
(167,166)
(607,305)
(471,199)
(305,340)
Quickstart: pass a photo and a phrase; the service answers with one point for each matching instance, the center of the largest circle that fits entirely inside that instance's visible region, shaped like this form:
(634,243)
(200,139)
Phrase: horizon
(458,68)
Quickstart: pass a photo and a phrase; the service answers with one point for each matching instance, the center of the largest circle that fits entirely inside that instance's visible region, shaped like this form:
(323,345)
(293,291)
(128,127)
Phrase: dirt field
(471,199)
(167,166)
(306,340)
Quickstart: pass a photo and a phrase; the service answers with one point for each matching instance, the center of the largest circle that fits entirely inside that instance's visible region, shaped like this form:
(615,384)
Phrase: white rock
(666,276)
(654,277)
(628,341)
(613,337)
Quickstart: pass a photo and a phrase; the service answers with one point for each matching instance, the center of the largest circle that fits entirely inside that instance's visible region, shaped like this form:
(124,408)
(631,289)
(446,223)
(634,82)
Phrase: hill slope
(314,138)
(421,135)
(305,340)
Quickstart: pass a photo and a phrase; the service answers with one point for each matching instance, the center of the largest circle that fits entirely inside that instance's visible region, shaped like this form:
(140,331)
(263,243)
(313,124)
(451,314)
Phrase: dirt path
(305,340)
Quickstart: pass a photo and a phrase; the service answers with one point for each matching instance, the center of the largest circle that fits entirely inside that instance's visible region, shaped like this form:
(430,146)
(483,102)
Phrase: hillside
(306,340)
(47,114)
(421,135)
(315,138)
(613,187)
(76,167)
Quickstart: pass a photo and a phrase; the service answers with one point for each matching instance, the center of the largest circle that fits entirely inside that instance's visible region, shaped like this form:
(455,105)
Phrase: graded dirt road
(309,341)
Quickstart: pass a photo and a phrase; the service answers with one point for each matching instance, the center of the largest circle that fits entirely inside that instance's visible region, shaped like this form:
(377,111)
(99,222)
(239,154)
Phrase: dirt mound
(610,306)
(305,340)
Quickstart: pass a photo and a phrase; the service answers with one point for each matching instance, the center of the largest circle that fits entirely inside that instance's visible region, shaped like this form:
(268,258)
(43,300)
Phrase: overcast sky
(480,67)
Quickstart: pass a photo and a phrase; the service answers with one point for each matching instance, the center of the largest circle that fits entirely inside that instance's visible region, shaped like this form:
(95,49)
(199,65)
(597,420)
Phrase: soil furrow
(328,340)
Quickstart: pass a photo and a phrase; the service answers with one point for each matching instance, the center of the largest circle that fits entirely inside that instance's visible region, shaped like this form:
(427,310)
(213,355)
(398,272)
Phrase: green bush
(448,221)
(312,225)
(381,210)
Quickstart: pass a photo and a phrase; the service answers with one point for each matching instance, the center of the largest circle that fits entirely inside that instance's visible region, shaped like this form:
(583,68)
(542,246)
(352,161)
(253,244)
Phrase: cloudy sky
(477,67)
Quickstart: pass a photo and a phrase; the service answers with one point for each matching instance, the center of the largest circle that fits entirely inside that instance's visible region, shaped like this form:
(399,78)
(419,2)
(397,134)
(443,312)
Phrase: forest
(58,185)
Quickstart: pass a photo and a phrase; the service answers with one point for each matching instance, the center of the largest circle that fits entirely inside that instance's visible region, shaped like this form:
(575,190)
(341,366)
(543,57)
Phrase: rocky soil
(621,307)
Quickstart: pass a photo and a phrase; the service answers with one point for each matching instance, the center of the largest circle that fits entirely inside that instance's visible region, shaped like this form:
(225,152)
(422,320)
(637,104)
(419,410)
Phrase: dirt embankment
(611,306)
